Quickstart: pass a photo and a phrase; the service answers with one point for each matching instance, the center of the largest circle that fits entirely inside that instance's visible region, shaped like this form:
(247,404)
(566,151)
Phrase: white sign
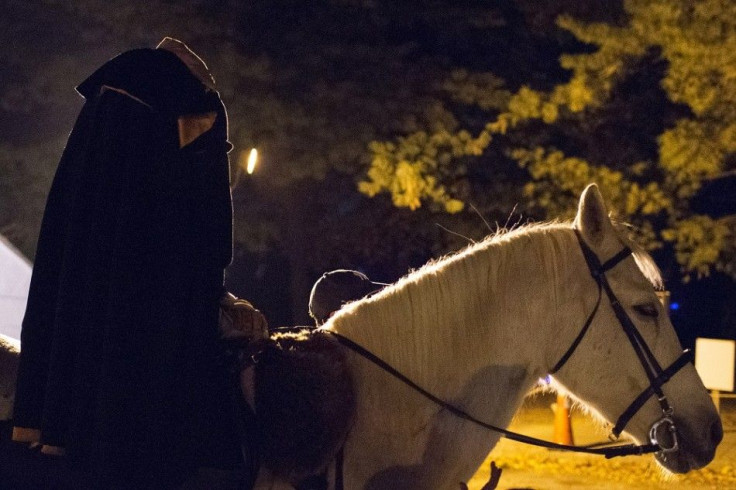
(714,361)
(15,279)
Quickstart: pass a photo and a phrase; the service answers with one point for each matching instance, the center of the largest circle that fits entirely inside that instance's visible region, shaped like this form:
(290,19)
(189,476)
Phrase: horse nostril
(716,432)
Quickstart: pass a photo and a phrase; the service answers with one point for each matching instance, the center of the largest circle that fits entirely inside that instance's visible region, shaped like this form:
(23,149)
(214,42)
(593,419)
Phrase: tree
(647,112)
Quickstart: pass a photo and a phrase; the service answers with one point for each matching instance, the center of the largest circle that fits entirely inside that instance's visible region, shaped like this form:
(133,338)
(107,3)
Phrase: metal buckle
(673,433)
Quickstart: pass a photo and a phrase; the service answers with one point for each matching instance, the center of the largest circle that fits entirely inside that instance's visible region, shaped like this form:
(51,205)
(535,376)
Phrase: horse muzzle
(683,449)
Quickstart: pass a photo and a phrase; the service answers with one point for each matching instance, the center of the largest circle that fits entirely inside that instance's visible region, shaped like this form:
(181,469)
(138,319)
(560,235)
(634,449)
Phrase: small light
(674,306)
(252,159)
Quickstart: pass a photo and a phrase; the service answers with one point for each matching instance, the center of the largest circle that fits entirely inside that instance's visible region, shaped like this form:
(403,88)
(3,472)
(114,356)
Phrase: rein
(608,452)
(656,375)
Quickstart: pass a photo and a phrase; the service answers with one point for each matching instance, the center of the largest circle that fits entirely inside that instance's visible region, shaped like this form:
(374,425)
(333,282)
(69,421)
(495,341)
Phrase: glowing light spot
(674,306)
(252,160)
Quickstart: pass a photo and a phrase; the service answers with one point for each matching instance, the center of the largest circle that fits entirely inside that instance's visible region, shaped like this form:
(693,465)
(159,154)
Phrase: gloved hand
(240,321)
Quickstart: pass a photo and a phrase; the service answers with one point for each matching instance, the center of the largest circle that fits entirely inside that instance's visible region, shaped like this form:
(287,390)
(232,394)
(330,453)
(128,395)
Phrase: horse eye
(647,309)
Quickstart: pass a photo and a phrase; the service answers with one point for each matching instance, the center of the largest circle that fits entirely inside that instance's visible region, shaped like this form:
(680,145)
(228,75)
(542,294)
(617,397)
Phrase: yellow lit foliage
(698,42)
(701,243)
(554,175)
(410,168)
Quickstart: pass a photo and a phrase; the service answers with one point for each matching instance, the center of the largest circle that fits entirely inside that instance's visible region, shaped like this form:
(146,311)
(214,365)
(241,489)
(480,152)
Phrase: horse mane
(401,307)
(393,322)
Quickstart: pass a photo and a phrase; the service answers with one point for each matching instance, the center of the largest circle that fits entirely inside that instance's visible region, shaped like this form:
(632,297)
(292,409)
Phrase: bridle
(656,375)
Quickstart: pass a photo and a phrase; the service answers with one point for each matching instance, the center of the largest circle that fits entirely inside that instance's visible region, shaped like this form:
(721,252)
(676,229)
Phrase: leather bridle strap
(597,270)
(656,375)
(573,347)
(639,401)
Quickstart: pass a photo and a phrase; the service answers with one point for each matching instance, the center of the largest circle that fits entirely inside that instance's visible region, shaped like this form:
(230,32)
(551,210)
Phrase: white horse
(480,327)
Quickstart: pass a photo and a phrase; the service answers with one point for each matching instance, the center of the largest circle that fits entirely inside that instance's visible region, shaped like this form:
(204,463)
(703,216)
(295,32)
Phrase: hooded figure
(120,366)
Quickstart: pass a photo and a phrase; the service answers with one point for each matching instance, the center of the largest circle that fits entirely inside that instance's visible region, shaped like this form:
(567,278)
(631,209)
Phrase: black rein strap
(608,452)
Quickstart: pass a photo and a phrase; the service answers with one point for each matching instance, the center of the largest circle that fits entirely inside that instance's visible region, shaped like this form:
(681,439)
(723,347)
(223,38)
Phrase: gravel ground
(532,468)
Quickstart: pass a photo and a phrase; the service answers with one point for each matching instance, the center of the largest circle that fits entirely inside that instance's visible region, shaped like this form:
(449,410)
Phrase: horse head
(628,364)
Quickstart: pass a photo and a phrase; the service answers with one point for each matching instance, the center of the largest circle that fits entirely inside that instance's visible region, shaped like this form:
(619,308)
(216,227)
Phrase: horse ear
(592,219)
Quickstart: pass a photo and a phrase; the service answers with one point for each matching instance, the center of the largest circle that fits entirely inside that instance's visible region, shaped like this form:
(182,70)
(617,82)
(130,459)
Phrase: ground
(532,468)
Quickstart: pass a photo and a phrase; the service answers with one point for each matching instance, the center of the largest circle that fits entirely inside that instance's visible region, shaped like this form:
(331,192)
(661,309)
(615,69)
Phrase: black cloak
(120,362)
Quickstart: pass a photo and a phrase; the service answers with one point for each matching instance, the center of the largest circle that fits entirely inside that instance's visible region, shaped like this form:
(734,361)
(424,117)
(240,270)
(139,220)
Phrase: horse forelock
(643,259)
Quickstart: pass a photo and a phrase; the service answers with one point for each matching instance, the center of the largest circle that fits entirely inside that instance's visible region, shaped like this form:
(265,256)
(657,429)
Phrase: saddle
(300,391)
(304,403)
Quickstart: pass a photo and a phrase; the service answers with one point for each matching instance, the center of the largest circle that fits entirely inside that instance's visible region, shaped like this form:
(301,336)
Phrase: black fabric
(317,482)
(22,468)
(119,360)
(155,76)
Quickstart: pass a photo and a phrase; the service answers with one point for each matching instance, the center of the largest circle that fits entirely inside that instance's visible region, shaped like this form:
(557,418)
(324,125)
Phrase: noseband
(656,375)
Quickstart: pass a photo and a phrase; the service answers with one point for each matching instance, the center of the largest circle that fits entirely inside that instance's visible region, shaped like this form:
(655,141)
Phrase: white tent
(15,278)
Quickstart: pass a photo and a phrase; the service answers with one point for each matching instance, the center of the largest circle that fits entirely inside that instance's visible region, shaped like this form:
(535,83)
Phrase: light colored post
(563,427)
(715,362)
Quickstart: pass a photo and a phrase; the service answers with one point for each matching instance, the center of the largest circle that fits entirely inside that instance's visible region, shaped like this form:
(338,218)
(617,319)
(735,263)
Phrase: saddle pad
(304,402)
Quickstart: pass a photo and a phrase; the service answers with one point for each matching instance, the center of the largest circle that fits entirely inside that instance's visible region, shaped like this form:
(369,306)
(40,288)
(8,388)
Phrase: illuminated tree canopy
(647,113)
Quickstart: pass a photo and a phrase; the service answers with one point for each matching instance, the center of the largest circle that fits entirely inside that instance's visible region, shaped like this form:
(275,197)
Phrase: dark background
(311,84)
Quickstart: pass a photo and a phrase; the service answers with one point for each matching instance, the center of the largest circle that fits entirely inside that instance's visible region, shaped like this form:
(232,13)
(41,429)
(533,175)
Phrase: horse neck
(476,330)
(493,305)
